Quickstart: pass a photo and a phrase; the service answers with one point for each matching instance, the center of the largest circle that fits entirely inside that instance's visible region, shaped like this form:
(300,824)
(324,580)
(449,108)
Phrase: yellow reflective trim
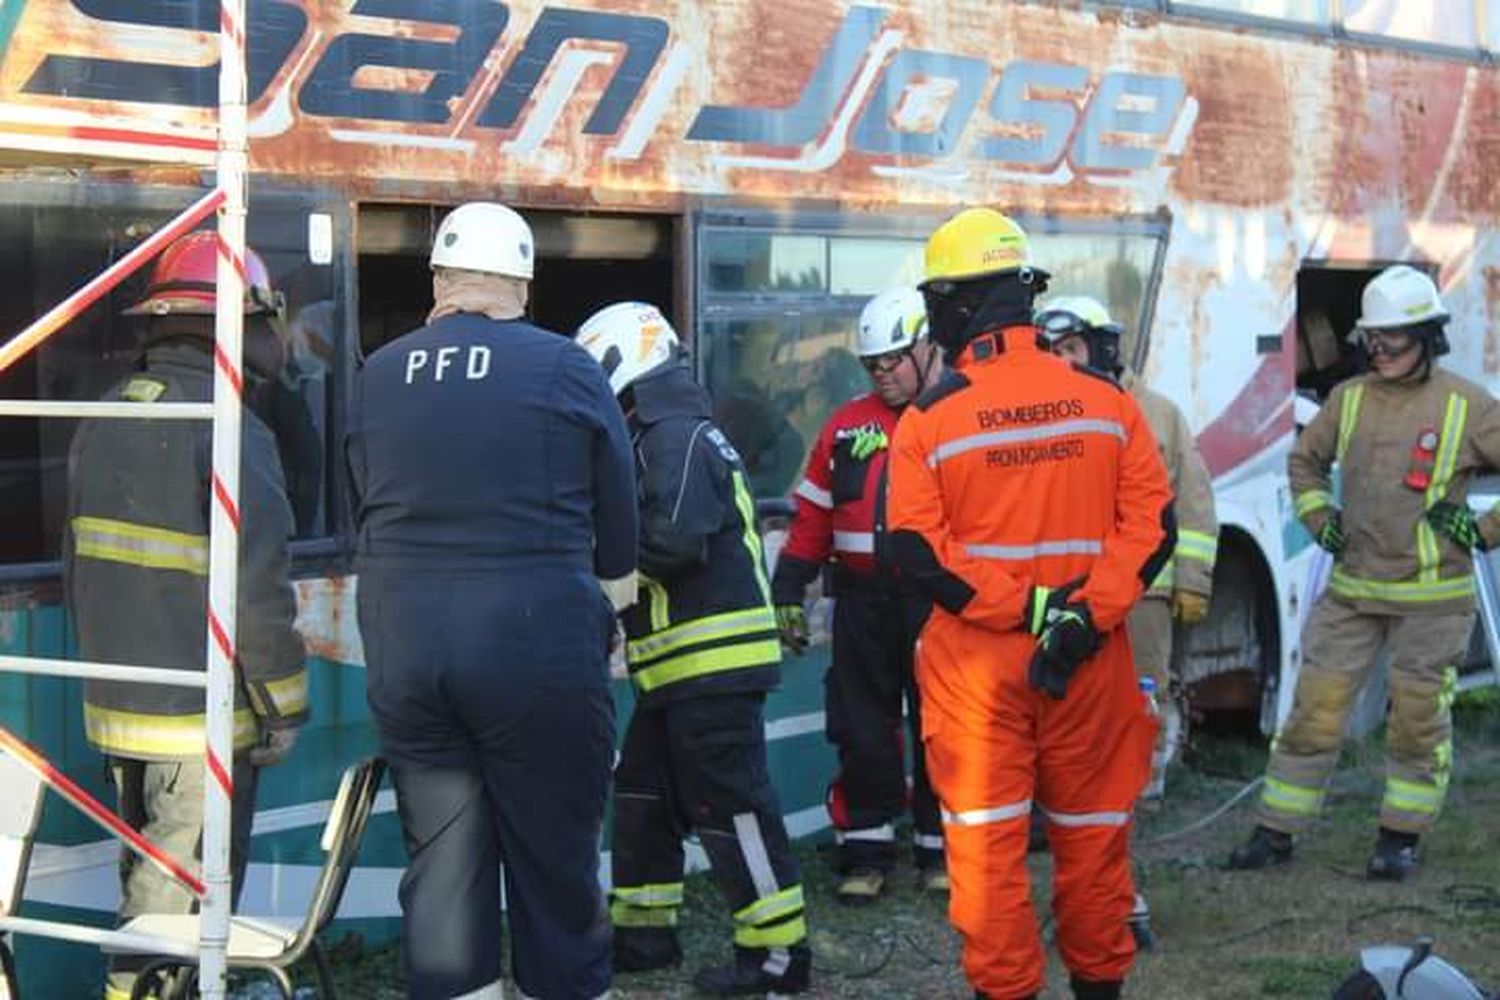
(1413,796)
(728,625)
(1428,556)
(134,733)
(708,661)
(1348,418)
(143,390)
(624,915)
(288,694)
(1292,799)
(780,936)
(1197,545)
(656,601)
(1312,500)
(1455,418)
(140,545)
(1418,592)
(657,894)
(746,504)
(773,907)
(1166,580)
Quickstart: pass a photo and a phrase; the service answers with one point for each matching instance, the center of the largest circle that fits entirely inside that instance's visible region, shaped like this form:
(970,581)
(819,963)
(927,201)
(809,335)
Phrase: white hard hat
(628,339)
(1069,314)
(1400,296)
(484,236)
(891,321)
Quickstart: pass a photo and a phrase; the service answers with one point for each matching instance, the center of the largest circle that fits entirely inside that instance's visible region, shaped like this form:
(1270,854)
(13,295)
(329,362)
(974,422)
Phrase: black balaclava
(978,305)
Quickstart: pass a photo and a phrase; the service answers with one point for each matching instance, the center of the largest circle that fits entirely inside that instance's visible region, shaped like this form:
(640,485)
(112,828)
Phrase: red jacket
(839,501)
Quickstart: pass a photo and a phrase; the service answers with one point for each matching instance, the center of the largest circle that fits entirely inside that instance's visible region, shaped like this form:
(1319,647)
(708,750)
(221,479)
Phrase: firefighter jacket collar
(994,343)
(670,392)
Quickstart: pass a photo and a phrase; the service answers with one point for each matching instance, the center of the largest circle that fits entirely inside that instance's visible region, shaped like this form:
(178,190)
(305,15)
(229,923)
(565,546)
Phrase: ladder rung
(136,411)
(104,671)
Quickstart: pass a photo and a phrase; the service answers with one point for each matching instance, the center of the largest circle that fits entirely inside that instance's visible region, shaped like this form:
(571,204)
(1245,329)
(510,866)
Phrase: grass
(1294,931)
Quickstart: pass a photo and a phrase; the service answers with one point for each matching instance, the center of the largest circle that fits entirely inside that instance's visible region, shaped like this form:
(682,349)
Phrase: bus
(1224,174)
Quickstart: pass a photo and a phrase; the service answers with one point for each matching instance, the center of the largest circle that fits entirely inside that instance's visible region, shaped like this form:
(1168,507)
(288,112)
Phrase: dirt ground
(1292,932)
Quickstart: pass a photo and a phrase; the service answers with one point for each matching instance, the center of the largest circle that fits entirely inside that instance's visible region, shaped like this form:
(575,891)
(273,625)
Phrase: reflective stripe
(623,914)
(773,907)
(1413,797)
(140,545)
(653,895)
(815,494)
(885,834)
(288,695)
(1348,418)
(1413,592)
(1455,416)
(1312,500)
(1197,545)
(1087,819)
(137,734)
(746,504)
(928,841)
(753,849)
(979,817)
(780,936)
(1068,428)
(656,599)
(1069,547)
(1291,799)
(1166,580)
(707,661)
(854,541)
(729,625)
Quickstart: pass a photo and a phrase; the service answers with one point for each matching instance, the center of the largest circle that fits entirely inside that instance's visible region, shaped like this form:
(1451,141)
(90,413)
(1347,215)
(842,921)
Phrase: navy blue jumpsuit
(494,487)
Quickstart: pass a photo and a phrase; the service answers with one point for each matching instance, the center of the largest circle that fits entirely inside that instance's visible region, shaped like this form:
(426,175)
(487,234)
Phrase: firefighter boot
(934,879)
(1395,856)
(642,949)
(860,886)
(1094,989)
(757,972)
(1266,847)
(1140,925)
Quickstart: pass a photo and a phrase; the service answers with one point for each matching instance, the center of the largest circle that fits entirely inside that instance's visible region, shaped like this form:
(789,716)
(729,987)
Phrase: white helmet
(892,321)
(484,236)
(628,339)
(1400,296)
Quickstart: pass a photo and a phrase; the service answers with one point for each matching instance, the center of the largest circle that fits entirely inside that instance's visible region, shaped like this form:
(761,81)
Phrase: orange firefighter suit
(1020,471)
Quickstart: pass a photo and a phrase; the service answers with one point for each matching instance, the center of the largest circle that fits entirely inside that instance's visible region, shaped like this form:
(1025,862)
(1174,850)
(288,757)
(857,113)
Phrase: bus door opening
(583,263)
(1328,303)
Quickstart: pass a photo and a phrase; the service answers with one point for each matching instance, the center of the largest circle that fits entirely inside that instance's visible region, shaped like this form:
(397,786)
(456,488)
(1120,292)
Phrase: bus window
(866,266)
(1113,268)
(1327,308)
(1301,11)
(1437,22)
(53,239)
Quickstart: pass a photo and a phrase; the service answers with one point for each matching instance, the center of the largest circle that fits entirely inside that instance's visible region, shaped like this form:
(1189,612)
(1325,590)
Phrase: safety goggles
(1390,343)
(884,364)
(1058,326)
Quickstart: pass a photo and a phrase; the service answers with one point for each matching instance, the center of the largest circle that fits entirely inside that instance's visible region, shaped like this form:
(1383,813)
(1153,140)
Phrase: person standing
(136,570)
(1029,502)
(1407,438)
(1079,329)
(702,652)
(496,520)
(840,521)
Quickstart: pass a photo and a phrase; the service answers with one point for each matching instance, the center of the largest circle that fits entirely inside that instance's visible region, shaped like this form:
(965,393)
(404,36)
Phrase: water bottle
(1148,688)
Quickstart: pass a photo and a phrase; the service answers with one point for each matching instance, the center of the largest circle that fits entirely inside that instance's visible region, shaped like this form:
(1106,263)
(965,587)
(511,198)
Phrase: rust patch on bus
(1491,277)
(1242,146)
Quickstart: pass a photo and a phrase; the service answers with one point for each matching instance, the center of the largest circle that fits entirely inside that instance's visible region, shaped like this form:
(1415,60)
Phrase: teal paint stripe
(10,16)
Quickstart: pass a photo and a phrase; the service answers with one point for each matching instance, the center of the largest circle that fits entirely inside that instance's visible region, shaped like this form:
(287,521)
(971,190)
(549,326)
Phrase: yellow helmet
(976,243)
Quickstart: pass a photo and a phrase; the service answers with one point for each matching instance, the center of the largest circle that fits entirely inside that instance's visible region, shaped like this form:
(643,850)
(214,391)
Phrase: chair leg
(324,971)
(9,988)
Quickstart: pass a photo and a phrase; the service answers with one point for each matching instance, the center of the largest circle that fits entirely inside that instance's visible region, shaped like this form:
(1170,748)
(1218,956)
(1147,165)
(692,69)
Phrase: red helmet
(185,274)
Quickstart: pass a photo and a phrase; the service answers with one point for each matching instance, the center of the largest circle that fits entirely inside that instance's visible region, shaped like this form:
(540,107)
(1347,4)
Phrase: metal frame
(228,199)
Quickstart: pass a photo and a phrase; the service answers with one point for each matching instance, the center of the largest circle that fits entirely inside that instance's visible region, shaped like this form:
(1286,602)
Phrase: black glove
(1458,523)
(1331,536)
(1066,642)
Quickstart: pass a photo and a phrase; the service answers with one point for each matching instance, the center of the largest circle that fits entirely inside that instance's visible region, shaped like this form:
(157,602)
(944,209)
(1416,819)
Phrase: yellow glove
(1188,607)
